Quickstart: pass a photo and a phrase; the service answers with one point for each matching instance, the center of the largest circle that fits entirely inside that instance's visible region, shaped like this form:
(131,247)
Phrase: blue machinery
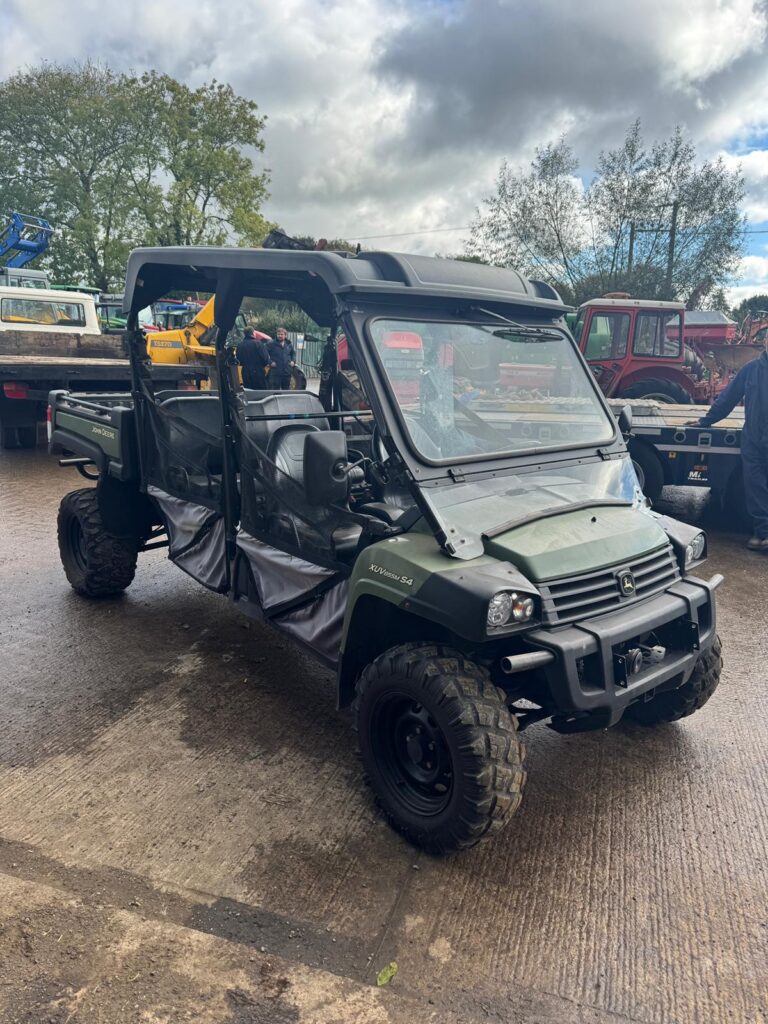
(25,238)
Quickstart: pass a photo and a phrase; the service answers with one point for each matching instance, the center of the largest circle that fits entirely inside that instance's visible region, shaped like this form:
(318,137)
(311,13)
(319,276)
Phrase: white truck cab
(44,310)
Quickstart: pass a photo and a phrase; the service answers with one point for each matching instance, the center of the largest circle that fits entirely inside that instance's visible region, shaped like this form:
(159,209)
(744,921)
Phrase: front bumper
(583,684)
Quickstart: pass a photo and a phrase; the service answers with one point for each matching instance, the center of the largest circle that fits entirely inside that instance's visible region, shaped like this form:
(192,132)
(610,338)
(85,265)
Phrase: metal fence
(309,353)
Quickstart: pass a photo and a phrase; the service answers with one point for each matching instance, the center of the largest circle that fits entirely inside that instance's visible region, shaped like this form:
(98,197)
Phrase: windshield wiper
(523,328)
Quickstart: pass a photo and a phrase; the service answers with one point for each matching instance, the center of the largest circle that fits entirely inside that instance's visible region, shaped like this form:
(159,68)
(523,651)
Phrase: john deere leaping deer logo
(627,584)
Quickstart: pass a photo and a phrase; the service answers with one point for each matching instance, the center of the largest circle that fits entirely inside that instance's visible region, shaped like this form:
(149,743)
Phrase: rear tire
(27,436)
(672,705)
(439,745)
(649,471)
(9,437)
(653,389)
(96,563)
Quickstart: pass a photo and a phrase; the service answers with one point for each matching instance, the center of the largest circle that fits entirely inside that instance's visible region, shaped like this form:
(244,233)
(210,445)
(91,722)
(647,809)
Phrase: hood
(582,541)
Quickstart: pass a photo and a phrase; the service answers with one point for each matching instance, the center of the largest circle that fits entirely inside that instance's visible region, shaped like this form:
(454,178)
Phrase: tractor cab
(635,349)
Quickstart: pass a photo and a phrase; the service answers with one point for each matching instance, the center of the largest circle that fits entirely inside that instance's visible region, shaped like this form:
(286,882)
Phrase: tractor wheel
(96,563)
(671,705)
(658,390)
(27,436)
(439,745)
(298,380)
(650,474)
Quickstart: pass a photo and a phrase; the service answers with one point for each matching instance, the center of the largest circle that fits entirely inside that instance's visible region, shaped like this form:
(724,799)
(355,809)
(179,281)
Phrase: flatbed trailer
(27,380)
(668,452)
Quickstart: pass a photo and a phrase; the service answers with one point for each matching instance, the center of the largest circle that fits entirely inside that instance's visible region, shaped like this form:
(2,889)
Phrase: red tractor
(635,348)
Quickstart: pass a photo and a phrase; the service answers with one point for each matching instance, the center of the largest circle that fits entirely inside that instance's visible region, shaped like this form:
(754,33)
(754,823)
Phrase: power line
(404,234)
(468,227)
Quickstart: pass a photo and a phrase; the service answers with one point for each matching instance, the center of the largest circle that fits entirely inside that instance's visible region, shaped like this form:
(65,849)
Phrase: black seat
(283,405)
(286,449)
(201,411)
(194,434)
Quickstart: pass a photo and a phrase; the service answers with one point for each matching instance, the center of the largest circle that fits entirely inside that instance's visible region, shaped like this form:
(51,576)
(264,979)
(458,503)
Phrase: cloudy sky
(389,118)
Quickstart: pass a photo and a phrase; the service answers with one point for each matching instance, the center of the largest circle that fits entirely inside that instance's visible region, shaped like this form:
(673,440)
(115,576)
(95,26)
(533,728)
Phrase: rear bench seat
(280,438)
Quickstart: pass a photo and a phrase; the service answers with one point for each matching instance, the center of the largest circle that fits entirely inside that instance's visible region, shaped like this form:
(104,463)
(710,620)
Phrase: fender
(657,372)
(408,581)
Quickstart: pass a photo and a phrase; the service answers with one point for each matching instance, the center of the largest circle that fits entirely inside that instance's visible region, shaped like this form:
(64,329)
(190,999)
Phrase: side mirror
(325,467)
(625,420)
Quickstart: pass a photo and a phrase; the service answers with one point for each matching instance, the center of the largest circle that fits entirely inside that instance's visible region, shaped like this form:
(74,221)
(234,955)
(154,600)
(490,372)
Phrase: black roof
(314,279)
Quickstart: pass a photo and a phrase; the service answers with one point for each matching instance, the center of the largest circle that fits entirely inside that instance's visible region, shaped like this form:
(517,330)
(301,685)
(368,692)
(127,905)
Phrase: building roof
(314,279)
(634,303)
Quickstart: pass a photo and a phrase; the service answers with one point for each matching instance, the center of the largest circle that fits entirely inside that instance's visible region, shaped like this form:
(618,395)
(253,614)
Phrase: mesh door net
(270,435)
(182,445)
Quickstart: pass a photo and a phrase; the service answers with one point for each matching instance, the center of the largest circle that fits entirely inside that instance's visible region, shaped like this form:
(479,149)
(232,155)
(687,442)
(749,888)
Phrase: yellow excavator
(193,343)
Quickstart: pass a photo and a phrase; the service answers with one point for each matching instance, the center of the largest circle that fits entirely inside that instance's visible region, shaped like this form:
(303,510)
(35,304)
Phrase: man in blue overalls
(750,385)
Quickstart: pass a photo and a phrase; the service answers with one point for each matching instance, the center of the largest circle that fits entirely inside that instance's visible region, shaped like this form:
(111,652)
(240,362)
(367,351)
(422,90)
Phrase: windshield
(475,390)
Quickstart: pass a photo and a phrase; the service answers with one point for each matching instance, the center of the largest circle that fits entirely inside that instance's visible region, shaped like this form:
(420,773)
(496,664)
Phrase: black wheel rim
(412,754)
(77,544)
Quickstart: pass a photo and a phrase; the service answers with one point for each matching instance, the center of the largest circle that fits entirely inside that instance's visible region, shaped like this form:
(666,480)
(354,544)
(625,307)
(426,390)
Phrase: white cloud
(752,276)
(391,116)
(698,40)
(754,167)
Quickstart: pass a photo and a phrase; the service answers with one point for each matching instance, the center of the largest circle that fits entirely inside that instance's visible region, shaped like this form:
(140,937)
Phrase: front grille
(581,597)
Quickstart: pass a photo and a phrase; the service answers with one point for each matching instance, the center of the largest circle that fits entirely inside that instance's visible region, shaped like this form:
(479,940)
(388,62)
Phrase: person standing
(750,385)
(283,359)
(253,357)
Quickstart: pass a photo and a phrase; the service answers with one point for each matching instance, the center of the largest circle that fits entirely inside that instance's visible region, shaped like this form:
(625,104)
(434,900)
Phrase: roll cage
(342,292)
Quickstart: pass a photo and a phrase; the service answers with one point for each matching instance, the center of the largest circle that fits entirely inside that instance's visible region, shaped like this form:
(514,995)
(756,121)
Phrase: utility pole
(671,250)
(631,255)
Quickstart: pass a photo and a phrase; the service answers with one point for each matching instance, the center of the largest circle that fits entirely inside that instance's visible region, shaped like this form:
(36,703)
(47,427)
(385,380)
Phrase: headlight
(695,549)
(508,606)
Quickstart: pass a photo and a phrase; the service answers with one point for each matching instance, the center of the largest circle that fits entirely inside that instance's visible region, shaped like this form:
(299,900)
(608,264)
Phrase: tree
(66,136)
(651,221)
(268,316)
(755,304)
(193,183)
(115,161)
(717,300)
(534,221)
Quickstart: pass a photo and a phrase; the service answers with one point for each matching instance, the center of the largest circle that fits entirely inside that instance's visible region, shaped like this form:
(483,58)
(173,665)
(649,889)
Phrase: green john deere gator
(452,523)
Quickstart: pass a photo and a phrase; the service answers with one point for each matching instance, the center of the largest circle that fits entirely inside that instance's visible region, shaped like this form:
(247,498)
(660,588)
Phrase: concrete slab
(175,779)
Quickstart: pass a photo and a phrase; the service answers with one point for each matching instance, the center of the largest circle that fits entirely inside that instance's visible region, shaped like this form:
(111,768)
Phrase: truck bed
(27,380)
(649,415)
(43,367)
(61,344)
(689,456)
